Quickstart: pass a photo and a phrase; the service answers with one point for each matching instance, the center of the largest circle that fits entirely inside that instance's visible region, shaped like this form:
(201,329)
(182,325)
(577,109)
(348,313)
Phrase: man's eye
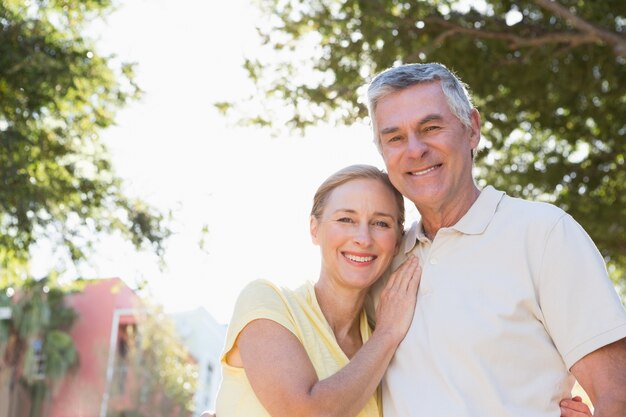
(431,128)
(394,139)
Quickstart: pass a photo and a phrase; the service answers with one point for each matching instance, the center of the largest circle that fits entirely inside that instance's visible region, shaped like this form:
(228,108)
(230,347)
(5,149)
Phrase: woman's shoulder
(262,294)
(260,285)
(264,289)
(260,299)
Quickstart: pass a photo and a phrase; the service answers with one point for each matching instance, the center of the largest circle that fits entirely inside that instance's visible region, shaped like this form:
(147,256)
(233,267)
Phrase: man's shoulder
(409,238)
(410,232)
(535,211)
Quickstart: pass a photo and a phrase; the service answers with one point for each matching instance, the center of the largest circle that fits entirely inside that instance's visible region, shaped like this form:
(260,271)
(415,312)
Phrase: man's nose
(415,146)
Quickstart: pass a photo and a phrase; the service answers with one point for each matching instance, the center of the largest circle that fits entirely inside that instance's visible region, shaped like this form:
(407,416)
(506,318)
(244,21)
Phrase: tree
(548,78)
(56,95)
(36,342)
(166,364)
(164,375)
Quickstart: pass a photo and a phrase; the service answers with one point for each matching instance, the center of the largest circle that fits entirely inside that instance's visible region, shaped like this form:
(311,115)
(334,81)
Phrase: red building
(109,380)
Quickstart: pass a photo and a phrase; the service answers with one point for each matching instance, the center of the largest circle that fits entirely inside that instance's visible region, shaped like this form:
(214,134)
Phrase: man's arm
(602,374)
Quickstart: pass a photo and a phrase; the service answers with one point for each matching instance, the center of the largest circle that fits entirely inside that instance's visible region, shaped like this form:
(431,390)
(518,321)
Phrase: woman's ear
(313,224)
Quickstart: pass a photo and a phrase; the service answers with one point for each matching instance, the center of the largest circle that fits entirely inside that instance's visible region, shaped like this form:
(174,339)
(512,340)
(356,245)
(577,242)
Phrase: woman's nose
(362,235)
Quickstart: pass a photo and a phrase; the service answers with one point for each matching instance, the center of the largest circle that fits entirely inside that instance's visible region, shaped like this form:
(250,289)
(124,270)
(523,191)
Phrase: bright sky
(174,150)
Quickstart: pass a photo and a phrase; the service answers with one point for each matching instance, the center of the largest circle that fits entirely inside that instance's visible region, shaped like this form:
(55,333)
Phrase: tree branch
(616,41)
(515,41)
(585,32)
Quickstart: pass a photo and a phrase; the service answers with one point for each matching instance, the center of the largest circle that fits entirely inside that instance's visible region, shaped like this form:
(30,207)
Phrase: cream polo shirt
(297,311)
(511,297)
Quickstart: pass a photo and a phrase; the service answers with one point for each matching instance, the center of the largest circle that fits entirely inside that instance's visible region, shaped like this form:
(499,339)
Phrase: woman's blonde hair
(351,173)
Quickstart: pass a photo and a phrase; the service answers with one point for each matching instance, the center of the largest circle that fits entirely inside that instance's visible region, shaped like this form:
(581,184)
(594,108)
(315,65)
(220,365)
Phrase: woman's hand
(574,408)
(397,300)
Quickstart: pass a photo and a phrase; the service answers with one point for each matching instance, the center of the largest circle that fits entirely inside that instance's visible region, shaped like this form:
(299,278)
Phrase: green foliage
(56,94)
(5,302)
(550,87)
(43,333)
(166,363)
(165,374)
(60,353)
(37,334)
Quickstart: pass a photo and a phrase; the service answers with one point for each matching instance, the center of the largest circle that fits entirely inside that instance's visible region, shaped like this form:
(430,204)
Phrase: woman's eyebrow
(351,211)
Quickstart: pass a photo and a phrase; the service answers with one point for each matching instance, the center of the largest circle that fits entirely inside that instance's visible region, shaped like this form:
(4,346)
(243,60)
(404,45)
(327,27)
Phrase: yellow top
(298,311)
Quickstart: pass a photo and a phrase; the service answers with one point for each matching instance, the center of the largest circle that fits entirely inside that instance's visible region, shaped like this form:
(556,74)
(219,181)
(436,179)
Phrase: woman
(311,351)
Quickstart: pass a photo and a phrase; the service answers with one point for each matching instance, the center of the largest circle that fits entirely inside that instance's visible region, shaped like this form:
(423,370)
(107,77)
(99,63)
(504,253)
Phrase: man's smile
(425,171)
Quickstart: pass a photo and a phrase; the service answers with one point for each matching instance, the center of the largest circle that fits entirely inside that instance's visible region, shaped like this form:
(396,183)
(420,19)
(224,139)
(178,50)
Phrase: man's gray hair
(404,76)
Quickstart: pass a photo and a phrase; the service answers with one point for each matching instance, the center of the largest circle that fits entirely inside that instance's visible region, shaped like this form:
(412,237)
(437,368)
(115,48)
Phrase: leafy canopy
(56,95)
(547,76)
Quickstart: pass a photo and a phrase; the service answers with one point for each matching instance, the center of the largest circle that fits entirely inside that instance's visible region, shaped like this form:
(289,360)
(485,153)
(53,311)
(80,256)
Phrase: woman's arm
(283,377)
(569,408)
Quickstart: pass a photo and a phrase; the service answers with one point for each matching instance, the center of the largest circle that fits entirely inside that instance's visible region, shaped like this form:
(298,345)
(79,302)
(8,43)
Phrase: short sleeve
(260,299)
(581,308)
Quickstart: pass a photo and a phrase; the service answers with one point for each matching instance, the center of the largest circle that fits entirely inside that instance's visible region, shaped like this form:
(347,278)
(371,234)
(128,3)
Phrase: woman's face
(357,233)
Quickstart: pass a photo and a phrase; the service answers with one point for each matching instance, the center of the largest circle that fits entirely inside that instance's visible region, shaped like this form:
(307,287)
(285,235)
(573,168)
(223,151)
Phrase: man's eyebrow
(389,130)
(423,121)
(430,118)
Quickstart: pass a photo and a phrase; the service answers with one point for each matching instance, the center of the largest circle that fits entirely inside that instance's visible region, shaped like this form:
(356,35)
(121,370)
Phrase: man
(514,301)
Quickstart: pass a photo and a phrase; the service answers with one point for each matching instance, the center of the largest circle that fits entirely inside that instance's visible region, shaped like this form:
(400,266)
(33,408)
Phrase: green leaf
(550,92)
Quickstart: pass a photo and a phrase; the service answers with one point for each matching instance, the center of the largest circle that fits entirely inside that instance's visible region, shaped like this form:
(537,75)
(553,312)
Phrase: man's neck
(447,214)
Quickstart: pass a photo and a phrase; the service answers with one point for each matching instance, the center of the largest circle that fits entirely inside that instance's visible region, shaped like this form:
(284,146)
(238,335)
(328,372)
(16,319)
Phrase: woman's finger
(414,283)
(409,274)
(396,277)
(405,278)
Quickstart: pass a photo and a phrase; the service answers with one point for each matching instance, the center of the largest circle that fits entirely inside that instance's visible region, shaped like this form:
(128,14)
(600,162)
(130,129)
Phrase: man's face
(426,149)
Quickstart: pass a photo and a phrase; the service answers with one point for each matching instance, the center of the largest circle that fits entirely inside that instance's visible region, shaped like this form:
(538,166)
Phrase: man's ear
(475,128)
(313,225)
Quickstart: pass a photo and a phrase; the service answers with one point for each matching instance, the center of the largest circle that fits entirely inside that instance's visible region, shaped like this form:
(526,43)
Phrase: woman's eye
(381,223)
(345,220)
